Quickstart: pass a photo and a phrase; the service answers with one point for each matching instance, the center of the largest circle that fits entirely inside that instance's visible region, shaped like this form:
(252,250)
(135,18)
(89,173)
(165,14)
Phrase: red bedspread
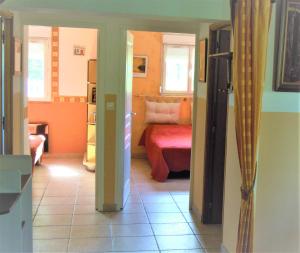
(168,148)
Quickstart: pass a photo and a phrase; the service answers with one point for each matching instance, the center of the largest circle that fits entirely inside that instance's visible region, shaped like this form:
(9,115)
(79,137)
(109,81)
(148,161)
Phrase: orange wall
(67,125)
(65,115)
(149,44)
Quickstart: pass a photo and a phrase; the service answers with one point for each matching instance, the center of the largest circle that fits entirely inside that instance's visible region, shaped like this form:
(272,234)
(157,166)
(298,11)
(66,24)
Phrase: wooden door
(218,80)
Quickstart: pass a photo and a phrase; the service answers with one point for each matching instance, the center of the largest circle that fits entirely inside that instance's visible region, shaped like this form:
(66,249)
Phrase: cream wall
(277,192)
(277,186)
(73,68)
(232,183)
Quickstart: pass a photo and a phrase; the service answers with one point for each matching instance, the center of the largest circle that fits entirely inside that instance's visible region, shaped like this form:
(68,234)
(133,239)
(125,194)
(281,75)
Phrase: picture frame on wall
(202,60)
(140,66)
(287,46)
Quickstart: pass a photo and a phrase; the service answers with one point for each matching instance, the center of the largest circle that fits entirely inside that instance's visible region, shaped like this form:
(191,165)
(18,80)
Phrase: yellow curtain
(251,26)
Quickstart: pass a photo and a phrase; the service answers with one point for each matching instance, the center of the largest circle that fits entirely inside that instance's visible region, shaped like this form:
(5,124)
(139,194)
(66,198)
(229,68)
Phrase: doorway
(61,91)
(218,82)
(162,78)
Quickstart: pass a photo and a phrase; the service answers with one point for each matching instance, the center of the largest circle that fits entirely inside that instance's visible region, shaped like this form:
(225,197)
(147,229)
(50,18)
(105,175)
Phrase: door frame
(210,174)
(23,123)
(121,114)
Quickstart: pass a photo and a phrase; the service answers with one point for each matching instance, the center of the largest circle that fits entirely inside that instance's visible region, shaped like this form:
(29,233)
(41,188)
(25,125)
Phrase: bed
(168,148)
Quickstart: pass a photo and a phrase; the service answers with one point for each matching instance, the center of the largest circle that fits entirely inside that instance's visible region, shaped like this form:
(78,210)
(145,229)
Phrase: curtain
(250,19)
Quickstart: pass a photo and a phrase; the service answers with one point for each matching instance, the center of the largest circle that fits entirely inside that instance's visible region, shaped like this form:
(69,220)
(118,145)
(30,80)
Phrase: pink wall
(67,125)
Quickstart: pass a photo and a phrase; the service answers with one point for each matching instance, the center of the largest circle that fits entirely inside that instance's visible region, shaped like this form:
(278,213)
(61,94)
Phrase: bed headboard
(185,105)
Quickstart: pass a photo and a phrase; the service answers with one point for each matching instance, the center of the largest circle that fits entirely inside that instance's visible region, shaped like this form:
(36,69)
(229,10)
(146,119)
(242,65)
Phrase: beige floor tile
(90,219)
(166,218)
(172,229)
(51,232)
(161,208)
(126,231)
(85,209)
(185,242)
(210,241)
(202,229)
(190,217)
(184,251)
(134,243)
(37,192)
(89,231)
(53,245)
(131,230)
(58,201)
(157,198)
(83,200)
(90,245)
(60,193)
(181,197)
(55,209)
(128,218)
(39,185)
(133,198)
(183,206)
(133,208)
(52,220)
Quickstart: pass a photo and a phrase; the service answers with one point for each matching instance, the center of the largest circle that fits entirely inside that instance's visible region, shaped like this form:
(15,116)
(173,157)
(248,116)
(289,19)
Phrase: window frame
(47,68)
(190,89)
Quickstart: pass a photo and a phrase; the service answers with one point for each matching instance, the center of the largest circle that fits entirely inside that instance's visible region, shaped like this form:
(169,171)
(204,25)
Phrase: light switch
(110,106)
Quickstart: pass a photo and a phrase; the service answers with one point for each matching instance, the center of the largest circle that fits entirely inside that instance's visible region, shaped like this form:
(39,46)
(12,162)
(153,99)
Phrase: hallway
(156,217)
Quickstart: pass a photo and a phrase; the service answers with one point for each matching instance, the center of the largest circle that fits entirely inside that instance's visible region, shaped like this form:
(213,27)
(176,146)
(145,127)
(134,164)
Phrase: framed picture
(140,65)
(287,46)
(202,60)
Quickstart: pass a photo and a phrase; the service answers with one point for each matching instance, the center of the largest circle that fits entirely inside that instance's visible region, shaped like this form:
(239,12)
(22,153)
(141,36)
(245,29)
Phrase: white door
(128,116)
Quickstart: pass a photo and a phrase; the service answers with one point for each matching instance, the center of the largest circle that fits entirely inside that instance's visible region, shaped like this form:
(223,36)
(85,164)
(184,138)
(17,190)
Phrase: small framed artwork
(140,65)
(287,46)
(202,60)
(79,50)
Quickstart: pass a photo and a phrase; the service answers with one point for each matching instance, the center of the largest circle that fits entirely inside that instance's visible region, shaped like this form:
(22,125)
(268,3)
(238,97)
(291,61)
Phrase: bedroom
(61,108)
(162,97)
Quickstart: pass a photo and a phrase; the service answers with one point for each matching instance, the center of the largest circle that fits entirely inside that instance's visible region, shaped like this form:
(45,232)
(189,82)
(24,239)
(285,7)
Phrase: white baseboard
(61,156)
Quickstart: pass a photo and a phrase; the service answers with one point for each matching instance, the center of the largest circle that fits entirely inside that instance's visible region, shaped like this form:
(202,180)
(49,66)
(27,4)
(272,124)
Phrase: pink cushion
(162,112)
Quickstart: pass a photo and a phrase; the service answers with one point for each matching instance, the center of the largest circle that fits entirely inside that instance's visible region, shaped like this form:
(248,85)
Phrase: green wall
(167,9)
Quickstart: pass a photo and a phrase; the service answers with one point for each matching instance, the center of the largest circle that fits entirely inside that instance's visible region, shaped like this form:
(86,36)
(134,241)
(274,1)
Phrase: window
(39,67)
(178,65)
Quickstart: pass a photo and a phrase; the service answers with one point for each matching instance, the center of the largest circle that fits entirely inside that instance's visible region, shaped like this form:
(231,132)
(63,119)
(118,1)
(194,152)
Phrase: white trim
(47,68)
(189,80)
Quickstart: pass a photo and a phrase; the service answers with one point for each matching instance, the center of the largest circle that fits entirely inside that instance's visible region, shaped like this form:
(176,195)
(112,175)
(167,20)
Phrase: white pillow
(162,112)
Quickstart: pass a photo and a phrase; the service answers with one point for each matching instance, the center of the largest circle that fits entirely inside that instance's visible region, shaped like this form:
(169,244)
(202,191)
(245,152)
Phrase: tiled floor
(156,217)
